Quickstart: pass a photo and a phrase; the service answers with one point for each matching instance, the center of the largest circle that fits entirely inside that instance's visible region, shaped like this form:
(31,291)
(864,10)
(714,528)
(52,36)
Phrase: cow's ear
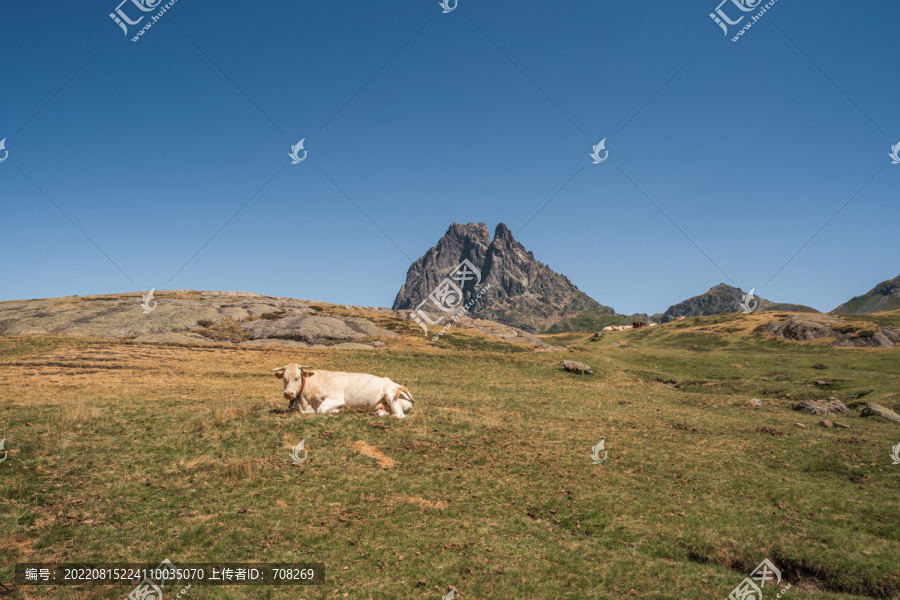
(304,373)
(279,372)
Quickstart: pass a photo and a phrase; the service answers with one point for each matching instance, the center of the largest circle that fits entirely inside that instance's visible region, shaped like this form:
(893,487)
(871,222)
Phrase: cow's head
(293,376)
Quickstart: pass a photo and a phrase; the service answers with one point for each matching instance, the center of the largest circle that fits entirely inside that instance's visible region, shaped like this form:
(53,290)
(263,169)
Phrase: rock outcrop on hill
(211,317)
(189,316)
(804,328)
(831,406)
(521,292)
(884,296)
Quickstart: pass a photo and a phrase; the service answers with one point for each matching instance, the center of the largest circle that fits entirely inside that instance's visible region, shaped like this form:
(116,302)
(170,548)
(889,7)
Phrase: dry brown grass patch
(69,416)
(385,462)
(16,546)
(421,502)
(452,409)
(222,416)
(239,470)
(196,463)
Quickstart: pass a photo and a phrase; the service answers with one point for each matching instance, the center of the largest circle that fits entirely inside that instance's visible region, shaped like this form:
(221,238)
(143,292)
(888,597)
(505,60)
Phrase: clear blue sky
(482,115)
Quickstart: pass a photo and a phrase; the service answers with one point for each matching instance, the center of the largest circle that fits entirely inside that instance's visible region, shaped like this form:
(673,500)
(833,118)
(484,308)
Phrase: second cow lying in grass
(333,391)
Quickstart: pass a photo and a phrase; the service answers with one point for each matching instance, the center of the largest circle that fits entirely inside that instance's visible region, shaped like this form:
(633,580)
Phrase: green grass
(492,490)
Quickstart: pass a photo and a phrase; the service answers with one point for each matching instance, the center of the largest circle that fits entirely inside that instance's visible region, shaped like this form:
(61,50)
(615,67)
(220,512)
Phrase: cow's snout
(289,395)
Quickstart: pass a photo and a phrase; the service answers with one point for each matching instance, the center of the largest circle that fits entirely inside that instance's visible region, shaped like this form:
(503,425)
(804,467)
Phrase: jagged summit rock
(469,241)
(523,293)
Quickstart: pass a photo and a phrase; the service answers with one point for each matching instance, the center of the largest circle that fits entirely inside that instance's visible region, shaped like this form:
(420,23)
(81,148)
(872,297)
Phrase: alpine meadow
(449,301)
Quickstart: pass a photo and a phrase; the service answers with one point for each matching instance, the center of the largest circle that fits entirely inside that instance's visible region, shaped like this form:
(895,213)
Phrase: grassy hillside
(137,452)
(883,297)
(787,307)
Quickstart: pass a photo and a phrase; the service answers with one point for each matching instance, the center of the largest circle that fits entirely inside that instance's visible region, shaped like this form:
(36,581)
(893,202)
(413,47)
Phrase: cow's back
(359,390)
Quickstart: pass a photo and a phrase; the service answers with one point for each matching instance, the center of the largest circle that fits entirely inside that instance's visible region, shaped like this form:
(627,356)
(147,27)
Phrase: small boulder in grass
(822,407)
(754,402)
(877,410)
(826,423)
(800,425)
(576,367)
(841,425)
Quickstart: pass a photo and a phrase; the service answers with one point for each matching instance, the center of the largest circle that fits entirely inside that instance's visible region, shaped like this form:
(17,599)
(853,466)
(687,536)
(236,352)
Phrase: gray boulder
(832,406)
(576,367)
(880,411)
(803,329)
(882,337)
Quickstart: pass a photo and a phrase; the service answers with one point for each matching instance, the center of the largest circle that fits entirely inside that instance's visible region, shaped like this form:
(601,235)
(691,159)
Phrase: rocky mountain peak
(502,233)
(523,292)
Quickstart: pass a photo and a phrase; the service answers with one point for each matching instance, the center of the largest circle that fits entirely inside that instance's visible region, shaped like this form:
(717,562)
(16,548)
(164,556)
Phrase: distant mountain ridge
(884,296)
(523,293)
(721,298)
(529,295)
(724,298)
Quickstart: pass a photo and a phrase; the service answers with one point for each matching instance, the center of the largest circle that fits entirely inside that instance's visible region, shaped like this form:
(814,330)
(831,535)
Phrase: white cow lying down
(333,391)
